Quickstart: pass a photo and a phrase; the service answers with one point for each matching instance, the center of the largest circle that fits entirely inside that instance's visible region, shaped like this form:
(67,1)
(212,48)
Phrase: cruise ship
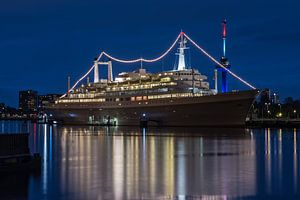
(178,97)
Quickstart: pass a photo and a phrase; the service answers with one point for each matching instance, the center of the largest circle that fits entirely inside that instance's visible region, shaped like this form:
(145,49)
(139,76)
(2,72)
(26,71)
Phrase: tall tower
(180,53)
(224,60)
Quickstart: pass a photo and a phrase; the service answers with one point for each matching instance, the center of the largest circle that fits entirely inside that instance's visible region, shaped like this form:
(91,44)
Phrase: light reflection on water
(180,163)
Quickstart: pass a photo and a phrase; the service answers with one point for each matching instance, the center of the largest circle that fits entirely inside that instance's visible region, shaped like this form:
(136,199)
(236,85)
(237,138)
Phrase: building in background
(44,100)
(28,102)
(275,98)
(265,97)
(7,111)
(2,108)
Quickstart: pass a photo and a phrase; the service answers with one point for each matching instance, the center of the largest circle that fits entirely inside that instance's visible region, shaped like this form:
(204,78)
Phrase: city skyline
(41,43)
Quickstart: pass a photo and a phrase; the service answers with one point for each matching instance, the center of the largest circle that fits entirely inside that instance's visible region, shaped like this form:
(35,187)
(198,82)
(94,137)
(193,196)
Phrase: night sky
(42,42)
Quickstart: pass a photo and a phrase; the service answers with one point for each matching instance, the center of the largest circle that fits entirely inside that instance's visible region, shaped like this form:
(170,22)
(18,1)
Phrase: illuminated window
(166,79)
(139,98)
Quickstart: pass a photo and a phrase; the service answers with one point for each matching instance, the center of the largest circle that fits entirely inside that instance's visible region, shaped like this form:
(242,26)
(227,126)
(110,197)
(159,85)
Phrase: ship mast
(180,53)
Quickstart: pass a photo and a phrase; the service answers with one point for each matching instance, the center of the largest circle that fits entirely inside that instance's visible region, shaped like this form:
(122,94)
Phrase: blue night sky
(42,42)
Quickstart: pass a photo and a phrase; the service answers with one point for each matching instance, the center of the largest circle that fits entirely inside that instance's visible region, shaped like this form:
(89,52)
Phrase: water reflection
(134,163)
(114,163)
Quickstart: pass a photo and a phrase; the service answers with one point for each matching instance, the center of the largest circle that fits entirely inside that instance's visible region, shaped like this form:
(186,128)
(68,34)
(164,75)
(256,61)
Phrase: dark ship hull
(228,109)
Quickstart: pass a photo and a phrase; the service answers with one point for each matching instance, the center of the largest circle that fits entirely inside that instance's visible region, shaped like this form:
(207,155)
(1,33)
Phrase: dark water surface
(169,163)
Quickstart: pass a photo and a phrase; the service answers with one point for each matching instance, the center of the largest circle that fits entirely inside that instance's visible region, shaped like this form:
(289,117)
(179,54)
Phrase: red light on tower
(224,28)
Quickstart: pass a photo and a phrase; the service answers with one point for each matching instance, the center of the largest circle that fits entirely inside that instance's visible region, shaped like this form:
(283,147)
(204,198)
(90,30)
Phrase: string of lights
(218,63)
(159,58)
(164,54)
(143,59)
(87,73)
(125,61)
(121,60)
